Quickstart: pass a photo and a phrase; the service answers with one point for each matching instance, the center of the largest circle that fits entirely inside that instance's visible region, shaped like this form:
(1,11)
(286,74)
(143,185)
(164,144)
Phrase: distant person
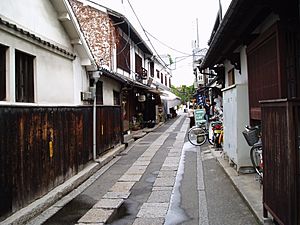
(207,109)
(191,116)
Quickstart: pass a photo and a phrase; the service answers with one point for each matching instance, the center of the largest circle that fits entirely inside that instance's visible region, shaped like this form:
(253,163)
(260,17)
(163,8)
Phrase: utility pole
(197,33)
(220,12)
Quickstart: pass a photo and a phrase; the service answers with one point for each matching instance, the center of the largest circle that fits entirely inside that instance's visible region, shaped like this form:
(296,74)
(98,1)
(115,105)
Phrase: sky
(171,28)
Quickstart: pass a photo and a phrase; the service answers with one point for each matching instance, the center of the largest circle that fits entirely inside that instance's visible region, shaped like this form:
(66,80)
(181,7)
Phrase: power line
(167,45)
(166,65)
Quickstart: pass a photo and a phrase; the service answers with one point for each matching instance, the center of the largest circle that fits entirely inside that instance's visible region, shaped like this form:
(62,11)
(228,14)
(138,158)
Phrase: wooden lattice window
(24,77)
(116,98)
(123,55)
(152,69)
(138,64)
(231,78)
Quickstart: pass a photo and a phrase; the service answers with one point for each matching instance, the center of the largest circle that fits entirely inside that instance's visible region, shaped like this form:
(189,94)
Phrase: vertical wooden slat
(280,148)
(5,166)
(27,171)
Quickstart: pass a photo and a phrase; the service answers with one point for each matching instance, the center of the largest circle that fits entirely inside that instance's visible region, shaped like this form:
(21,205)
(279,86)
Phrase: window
(169,81)
(138,64)
(161,78)
(152,69)
(157,74)
(123,55)
(231,80)
(99,93)
(2,72)
(24,77)
(166,81)
(116,98)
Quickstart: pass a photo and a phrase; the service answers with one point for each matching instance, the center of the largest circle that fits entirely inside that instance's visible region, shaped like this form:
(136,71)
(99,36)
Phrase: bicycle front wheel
(257,160)
(197,136)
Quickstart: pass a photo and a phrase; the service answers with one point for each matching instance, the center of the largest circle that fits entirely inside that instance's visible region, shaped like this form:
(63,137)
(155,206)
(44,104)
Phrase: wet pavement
(160,179)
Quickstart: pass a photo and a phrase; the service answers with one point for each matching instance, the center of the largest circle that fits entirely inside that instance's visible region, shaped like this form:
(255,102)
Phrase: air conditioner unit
(86,96)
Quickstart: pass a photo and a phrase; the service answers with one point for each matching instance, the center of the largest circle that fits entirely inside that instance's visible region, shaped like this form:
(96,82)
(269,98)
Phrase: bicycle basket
(251,136)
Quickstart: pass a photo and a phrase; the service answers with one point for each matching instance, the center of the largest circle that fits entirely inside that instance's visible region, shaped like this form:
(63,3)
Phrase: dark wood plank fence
(281,142)
(42,147)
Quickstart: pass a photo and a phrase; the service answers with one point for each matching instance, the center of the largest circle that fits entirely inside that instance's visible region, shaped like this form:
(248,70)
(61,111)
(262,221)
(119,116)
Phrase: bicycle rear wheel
(197,136)
(257,160)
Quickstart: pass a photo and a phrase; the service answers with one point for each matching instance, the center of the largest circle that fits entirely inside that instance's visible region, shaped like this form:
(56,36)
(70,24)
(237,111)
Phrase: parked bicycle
(199,134)
(253,138)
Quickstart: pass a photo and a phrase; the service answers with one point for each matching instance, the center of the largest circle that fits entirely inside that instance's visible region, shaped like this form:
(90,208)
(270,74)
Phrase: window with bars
(123,54)
(152,69)
(117,98)
(24,77)
(3,72)
(138,65)
(231,78)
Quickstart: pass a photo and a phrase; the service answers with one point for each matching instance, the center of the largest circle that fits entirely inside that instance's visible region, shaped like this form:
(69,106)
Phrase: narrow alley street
(160,179)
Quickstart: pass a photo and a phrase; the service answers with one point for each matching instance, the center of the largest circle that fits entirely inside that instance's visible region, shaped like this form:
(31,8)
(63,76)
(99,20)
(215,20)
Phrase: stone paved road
(162,179)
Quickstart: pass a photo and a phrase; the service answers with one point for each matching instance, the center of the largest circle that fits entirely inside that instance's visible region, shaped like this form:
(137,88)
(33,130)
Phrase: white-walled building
(45,61)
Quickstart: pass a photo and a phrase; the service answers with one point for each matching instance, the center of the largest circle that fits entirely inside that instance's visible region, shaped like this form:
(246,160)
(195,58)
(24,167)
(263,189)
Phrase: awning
(170,99)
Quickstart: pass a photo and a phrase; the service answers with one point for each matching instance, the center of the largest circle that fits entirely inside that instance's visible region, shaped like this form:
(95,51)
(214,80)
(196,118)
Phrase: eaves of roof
(123,79)
(129,30)
(24,34)
(236,28)
(115,76)
(73,29)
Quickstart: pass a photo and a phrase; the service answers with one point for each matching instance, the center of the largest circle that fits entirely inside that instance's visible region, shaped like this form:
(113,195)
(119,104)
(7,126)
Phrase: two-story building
(73,76)
(257,43)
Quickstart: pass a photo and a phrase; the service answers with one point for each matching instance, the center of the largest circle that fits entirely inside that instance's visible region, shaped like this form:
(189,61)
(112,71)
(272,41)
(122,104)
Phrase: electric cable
(166,65)
(167,45)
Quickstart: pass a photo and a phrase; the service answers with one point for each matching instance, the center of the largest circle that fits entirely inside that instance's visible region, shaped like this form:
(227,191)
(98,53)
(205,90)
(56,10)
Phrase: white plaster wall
(243,79)
(54,75)
(236,113)
(81,80)
(37,16)
(57,79)
(109,86)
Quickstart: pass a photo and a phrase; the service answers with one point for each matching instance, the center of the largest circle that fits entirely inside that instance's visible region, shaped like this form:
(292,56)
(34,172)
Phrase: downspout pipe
(96,77)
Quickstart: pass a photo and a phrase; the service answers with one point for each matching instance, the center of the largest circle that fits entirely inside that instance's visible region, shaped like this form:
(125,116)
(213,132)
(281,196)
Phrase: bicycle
(199,134)
(253,138)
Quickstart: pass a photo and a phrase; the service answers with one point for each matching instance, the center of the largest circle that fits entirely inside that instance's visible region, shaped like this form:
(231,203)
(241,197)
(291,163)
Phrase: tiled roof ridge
(36,39)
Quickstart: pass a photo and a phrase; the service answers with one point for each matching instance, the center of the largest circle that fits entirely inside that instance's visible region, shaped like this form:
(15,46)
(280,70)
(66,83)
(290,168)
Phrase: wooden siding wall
(280,129)
(41,148)
(263,71)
